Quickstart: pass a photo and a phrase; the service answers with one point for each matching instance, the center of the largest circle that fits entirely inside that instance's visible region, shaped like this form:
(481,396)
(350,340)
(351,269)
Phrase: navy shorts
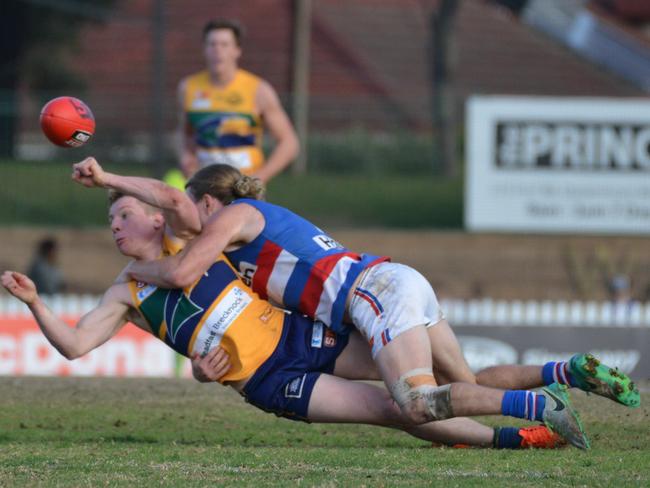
(284,383)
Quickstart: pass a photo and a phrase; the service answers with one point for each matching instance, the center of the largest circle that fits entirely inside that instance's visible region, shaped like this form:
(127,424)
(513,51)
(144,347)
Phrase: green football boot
(594,377)
(560,417)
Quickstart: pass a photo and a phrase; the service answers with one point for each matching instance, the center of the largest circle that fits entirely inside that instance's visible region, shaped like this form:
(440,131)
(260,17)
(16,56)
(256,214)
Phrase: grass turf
(144,432)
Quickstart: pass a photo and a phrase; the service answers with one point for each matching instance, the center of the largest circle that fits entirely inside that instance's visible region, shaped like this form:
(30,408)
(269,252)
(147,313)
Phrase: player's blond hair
(224,183)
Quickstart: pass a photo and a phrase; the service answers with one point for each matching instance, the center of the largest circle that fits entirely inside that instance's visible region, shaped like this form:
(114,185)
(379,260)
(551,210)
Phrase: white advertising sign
(565,165)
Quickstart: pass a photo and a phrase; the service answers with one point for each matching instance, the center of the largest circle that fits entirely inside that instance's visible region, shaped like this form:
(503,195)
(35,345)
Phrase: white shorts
(389,299)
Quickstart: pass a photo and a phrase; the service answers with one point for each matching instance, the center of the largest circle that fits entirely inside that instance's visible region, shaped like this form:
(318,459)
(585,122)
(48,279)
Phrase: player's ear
(158,220)
(206,201)
(213,204)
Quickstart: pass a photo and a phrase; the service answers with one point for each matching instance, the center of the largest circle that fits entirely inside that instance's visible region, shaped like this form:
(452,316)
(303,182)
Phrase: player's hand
(211,367)
(89,173)
(19,286)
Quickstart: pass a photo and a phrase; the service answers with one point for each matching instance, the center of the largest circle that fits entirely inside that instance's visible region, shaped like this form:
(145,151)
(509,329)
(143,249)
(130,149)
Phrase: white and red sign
(24,350)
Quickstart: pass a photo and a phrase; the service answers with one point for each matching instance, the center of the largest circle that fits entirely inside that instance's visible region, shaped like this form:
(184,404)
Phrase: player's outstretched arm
(180,212)
(233,224)
(92,330)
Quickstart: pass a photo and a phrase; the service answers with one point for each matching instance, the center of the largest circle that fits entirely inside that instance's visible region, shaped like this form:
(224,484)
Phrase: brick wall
(369,59)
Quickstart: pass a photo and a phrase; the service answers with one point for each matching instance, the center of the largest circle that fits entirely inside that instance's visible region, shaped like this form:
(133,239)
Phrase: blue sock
(557,372)
(507,438)
(523,404)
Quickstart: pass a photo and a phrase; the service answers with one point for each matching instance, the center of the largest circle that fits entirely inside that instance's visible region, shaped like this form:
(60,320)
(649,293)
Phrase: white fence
(459,312)
(547,313)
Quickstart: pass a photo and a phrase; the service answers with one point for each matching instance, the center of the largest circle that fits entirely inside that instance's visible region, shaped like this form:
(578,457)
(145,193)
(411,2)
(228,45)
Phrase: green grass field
(152,432)
(41,193)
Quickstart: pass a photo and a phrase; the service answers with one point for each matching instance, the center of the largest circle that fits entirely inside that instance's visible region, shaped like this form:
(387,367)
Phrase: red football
(67,122)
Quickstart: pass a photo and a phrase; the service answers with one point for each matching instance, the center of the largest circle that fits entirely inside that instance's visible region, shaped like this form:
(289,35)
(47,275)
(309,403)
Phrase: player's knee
(420,399)
(438,402)
(428,404)
(416,412)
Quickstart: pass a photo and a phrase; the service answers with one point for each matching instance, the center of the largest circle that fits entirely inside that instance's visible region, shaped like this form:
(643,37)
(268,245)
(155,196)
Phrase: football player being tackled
(293,262)
(582,372)
(267,377)
(281,363)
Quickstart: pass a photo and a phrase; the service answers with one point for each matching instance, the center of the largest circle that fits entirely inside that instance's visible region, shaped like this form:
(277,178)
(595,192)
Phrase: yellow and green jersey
(216,310)
(224,121)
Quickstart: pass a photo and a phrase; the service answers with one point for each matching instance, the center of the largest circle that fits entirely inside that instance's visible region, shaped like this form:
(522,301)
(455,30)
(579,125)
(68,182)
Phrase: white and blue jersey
(296,265)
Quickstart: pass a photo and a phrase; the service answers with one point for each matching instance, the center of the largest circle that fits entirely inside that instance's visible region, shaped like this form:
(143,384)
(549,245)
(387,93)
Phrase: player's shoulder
(199,77)
(119,293)
(265,95)
(239,213)
(249,76)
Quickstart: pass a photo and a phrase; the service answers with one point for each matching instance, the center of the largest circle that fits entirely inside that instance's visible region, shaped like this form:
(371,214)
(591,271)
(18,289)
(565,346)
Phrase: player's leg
(388,304)
(285,382)
(511,377)
(421,399)
(403,366)
(355,361)
(583,371)
(449,364)
(341,401)
(293,383)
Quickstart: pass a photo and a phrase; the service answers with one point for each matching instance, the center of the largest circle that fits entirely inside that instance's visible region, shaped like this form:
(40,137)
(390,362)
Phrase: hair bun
(247,187)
